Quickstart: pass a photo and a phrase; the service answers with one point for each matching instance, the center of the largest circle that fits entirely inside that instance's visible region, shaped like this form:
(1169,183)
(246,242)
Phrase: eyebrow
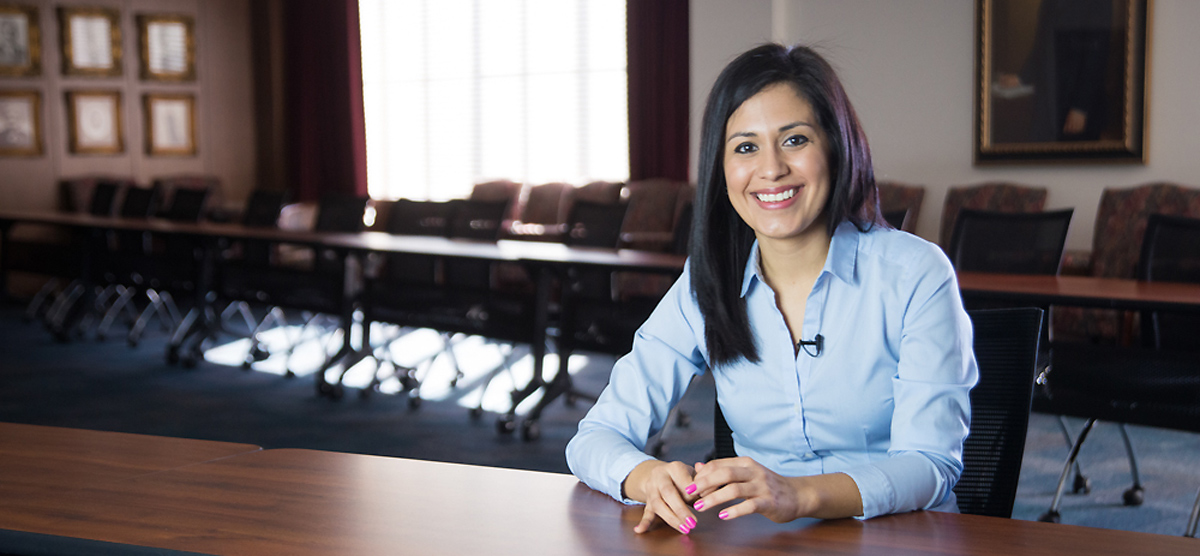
(782,129)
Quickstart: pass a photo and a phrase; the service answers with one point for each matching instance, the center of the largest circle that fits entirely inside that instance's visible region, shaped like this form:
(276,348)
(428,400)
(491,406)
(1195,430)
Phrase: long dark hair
(721,241)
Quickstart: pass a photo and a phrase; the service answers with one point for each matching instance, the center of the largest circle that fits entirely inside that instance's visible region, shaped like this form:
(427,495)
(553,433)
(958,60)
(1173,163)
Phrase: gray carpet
(110,386)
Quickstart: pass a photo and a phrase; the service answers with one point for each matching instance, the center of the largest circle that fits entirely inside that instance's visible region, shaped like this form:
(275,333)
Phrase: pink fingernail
(691,522)
(699,505)
(691,489)
(684,529)
(723,515)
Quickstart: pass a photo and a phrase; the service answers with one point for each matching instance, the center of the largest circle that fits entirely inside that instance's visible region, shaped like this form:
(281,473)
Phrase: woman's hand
(766,492)
(663,487)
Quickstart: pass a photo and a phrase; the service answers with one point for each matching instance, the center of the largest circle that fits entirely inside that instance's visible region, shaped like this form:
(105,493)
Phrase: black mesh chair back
(187,205)
(593,224)
(263,208)
(1171,253)
(1006,346)
(140,202)
(340,213)
(474,220)
(1022,243)
(895,218)
(104,198)
(420,218)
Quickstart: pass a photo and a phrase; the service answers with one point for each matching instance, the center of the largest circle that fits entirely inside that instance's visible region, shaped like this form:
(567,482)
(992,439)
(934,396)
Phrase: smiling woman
(839,347)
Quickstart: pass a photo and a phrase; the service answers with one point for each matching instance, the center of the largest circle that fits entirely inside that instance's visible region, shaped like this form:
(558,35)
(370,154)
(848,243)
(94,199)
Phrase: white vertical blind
(462,91)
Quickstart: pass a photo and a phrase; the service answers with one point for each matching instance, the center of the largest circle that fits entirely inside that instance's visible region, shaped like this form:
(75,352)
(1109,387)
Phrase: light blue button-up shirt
(885,402)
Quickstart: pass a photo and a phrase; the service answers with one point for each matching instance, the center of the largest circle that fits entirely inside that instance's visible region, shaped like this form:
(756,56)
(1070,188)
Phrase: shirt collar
(843,254)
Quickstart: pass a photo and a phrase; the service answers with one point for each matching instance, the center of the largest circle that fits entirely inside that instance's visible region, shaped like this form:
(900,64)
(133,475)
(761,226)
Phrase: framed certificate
(20,123)
(168,47)
(20,41)
(170,124)
(91,41)
(94,120)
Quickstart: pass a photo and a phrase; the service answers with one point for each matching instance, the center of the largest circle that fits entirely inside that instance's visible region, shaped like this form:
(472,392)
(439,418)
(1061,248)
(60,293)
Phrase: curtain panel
(657,46)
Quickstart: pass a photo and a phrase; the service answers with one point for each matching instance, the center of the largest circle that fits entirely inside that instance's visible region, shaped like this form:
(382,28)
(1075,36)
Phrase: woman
(839,347)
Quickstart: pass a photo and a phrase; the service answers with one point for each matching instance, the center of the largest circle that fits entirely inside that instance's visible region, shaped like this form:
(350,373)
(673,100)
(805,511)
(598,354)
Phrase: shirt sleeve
(932,387)
(645,384)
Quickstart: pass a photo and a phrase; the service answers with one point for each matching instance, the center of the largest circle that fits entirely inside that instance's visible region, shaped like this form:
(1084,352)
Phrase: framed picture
(91,41)
(94,122)
(20,41)
(1061,81)
(170,124)
(168,47)
(20,123)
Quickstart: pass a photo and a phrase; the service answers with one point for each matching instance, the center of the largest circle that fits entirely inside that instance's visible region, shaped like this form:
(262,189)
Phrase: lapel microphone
(818,342)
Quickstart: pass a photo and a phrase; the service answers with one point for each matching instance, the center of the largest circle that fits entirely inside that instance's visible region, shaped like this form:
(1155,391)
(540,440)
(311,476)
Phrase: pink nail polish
(699,505)
(691,489)
(684,529)
(691,523)
(723,515)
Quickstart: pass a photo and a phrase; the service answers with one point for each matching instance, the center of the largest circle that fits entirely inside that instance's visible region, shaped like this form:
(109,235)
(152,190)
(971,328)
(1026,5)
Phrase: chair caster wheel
(408,383)
(1050,517)
(292,374)
(172,355)
(506,425)
(530,430)
(245,365)
(324,389)
(1081,484)
(414,402)
(1133,496)
(259,354)
(476,413)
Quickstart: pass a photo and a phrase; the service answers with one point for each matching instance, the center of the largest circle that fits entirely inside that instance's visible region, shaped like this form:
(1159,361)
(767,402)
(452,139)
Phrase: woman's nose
(772,165)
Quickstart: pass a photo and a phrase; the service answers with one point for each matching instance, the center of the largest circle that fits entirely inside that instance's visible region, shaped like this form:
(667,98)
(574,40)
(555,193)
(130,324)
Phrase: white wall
(908,66)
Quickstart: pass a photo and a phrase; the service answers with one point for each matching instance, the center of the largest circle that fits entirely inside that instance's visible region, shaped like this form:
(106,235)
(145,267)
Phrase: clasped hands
(674,491)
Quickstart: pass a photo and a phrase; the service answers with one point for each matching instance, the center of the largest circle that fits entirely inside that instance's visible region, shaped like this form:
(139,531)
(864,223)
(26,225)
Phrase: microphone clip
(818,343)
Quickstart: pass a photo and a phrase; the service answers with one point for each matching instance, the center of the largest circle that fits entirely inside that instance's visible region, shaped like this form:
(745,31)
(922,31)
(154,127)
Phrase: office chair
(1006,346)
(1156,384)
(993,196)
(900,203)
(1019,243)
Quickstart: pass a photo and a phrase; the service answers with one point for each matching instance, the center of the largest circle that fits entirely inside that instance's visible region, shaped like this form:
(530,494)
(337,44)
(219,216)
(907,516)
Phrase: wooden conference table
(221,498)
(1081,291)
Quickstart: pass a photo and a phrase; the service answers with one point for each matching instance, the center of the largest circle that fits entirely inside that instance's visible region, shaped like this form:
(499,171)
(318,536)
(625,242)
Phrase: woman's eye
(795,140)
(745,148)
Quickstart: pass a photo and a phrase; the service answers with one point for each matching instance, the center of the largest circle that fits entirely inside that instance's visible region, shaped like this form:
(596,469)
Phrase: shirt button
(808,456)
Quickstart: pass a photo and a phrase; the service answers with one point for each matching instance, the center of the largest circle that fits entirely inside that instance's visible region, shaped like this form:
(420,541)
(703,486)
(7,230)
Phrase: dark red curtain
(324,100)
(657,47)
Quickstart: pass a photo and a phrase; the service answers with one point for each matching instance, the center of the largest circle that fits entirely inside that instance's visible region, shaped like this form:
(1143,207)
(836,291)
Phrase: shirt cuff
(878,496)
(621,469)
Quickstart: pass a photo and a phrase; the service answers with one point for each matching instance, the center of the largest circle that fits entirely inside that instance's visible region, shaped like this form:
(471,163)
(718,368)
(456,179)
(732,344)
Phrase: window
(462,91)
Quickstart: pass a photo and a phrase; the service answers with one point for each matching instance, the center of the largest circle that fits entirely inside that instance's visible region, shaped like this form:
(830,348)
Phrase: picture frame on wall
(1061,81)
(170,124)
(91,41)
(94,122)
(20,41)
(168,47)
(20,123)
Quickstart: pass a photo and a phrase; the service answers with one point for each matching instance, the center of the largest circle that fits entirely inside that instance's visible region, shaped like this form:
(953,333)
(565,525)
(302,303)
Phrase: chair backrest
(340,213)
(420,218)
(999,197)
(1006,346)
(1121,221)
(545,203)
(104,197)
(900,204)
(593,224)
(140,202)
(263,208)
(1171,253)
(187,204)
(473,219)
(1023,243)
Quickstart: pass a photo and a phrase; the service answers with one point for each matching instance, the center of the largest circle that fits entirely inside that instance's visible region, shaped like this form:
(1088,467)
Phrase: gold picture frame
(20,41)
(168,47)
(94,122)
(170,124)
(1061,85)
(91,41)
(20,123)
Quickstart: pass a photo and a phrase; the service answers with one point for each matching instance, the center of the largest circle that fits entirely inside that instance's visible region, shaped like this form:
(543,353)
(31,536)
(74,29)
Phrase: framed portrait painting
(20,123)
(168,47)
(94,122)
(20,41)
(1061,81)
(170,124)
(91,41)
